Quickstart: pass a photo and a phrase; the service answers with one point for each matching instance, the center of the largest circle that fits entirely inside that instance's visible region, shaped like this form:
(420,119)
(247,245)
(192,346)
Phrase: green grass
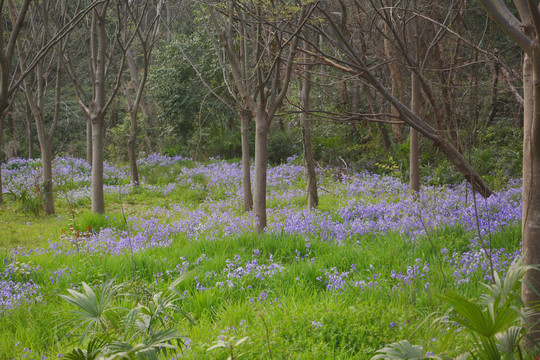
(355,324)
(284,325)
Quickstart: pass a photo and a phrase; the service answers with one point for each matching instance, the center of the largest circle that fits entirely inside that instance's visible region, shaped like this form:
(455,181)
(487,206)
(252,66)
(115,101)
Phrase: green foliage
(114,331)
(493,323)
(118,136)
(89,221)
(228,344)
(188,111)
(282,145)
(28,202)
(403,350)
(226,146)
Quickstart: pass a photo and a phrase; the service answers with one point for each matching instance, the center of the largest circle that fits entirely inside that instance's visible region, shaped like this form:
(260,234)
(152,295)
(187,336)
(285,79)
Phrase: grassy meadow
(364,270)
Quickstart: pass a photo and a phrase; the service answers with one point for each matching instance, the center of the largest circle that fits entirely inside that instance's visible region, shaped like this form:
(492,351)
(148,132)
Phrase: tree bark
(132,148)
(245,117)
(414,152)
(531,186)
(261,152)
(309,162)
(89,149)
(29,132)
(270,82)
(46,163)
(2,112)
(526,35)
(396,76)
(98,197)
(97,111)
(494,93)
(416,98)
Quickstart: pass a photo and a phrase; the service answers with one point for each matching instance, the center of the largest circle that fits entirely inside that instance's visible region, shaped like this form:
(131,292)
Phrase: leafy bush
(114,330)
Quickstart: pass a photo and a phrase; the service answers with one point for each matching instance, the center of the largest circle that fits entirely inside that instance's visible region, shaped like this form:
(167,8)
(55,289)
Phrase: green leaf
(400,350)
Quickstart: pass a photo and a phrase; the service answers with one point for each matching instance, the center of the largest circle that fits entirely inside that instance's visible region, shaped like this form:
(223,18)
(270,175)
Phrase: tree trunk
(29,133)
(494,93)
(245,116)
(89,150)
(531,186)
(416,98)
(397,82)
(2,112)
(414,152)
(132,66)
(447,100)
(97,110)
(309,163)
(46,163)
(98,198)
(132,149)
(261,152)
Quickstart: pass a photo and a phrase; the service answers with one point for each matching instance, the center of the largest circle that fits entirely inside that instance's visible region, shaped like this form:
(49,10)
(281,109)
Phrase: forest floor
(363,270)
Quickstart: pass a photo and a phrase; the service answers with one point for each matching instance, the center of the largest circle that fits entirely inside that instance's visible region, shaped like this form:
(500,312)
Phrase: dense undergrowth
(362,271)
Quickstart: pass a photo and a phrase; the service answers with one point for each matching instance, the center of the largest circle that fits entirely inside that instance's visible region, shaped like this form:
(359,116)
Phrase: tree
(525,32)
(107,56)
(271,32)
(309,163)
(36,36)
(11,29)
(243,110)
(11,26)
(146,29)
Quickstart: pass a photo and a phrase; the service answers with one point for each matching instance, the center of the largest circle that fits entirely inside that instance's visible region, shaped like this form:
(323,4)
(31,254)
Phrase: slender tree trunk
(132,149)
(143,105)
(97,110)
(396,76)
(98,198)
(46,163)
(416,98)
(29,132)
(414,152)
(309,162)
(245,116)
(447,102)
(355,100)
(132,66)
(261,152)
(89,141)
(494,93)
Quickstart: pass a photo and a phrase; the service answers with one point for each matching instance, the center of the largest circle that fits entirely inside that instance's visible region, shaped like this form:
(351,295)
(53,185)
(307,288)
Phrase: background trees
(359,69)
